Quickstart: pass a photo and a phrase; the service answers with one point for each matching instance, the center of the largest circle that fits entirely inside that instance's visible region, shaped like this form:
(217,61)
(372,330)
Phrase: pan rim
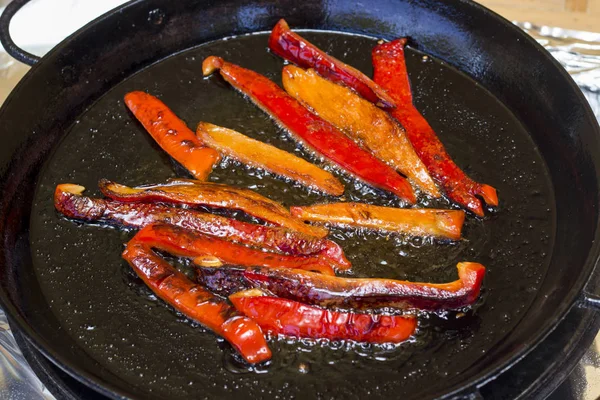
(501,364)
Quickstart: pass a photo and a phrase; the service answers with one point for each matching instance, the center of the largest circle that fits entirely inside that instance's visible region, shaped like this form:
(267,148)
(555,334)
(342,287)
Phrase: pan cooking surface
(109,312)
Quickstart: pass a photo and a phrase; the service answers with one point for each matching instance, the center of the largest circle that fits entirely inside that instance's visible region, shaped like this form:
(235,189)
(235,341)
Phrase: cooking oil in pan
(143,341)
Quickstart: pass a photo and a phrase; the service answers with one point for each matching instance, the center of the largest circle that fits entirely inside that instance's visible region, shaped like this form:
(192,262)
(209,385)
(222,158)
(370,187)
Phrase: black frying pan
(508,113)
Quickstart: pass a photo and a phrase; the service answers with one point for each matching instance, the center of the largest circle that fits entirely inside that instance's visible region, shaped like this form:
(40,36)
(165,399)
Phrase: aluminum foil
(577,51)
(17,380)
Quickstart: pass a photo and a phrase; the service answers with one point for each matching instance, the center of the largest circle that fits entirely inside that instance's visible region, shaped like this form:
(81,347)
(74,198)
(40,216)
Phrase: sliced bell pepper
(69,201)
(369,293)
(362,121)
(390,72)
(310,129)
(197,303)
(213,195)
(186,243)
(286,317)
(172,134)
(411,221)
(269,158)
(294,48)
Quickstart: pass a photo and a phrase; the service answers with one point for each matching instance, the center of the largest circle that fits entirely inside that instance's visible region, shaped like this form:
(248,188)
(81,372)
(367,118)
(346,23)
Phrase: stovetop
(579,52)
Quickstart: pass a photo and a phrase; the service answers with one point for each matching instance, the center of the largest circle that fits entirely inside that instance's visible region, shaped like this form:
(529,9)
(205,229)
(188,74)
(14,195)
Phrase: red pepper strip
(69,201)
(213,195)
(185,243)
(369,293)
(390,72)
(310,129)
(172,134)
(197,303)
(293,47)
(286,317)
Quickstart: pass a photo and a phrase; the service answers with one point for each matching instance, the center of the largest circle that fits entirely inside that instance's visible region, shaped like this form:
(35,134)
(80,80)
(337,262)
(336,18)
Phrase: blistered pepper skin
(293,47)
(213,195)
(185,243)
(371,293)
(286,317)
(391,74)
(351,293)
(69,201)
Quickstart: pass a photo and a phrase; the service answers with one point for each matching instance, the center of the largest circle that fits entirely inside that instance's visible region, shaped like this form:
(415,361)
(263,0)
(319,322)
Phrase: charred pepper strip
(369,293)
(172,134)
(390,72)
(293,47)
(213,195)
(197,303)
(69,201)
(310,129)
(412,221)
(264,156)
(286,317)
(223,281)
(362,121)
(185,243)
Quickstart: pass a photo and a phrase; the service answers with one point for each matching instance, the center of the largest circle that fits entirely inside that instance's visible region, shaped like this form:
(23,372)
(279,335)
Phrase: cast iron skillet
(505,109)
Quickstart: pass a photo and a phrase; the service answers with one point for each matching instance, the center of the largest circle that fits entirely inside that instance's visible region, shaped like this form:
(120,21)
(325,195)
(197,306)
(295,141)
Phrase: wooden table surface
(583,15)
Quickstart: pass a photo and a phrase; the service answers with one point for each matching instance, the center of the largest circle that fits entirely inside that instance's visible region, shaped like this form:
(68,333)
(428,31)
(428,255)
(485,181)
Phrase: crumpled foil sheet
(578,52)
(17,380)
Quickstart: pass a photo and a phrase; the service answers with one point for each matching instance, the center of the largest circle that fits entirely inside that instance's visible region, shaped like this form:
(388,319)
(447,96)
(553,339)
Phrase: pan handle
(9,45)
(590,301)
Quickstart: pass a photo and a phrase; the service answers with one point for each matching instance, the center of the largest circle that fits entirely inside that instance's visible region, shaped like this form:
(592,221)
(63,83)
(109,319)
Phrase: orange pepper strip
(197,303)
(368,293)
(213,195)
(310,129)
(412,221)
(172,134)
(69,201)
(390,72)
(298,50)
(286,317)
(267,157)
(362,121)
(185,243)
